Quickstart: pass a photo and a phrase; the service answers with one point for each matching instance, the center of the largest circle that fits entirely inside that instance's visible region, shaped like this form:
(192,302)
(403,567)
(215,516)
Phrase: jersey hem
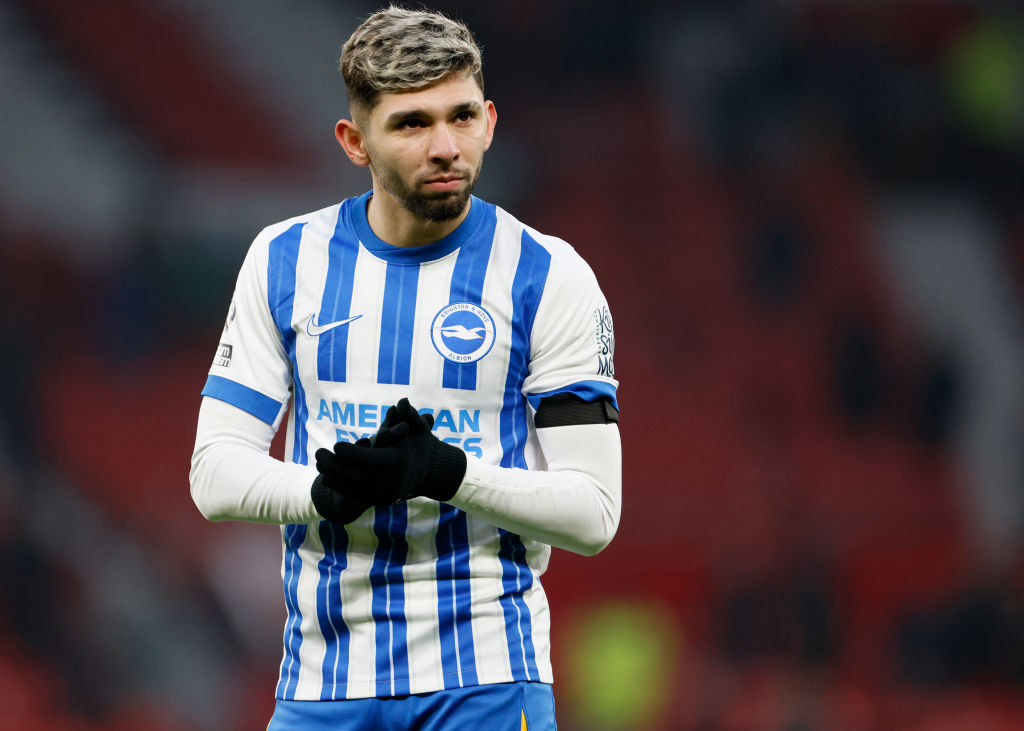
(368,689)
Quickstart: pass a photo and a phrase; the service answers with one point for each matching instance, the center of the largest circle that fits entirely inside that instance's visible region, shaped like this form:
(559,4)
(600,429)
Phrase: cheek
(407,154)
(387,156)
(474,142)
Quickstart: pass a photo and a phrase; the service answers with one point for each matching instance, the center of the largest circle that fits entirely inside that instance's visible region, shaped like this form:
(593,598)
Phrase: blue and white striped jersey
(476,328)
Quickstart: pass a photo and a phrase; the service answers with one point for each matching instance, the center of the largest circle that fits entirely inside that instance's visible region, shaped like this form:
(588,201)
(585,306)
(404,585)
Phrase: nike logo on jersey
(313,329)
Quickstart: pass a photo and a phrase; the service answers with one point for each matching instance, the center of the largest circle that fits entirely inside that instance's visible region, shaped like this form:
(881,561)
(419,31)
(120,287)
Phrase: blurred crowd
(807,217)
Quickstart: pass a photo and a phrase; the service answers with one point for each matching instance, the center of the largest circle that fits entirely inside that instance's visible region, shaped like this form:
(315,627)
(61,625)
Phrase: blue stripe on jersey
(516,578)
(527,288)
(454,613)
(397,322)
(586,390)
(334,668)
(388,600)
(294,536)
(332,346)
(468,286)
(247,399)
(283,255)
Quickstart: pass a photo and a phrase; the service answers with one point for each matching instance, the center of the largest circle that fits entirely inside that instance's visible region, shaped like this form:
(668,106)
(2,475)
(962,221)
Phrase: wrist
(321,495)
(447,471)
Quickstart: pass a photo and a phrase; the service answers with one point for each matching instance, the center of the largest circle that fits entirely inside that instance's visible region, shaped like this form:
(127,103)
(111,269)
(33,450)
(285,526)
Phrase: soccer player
(452,413)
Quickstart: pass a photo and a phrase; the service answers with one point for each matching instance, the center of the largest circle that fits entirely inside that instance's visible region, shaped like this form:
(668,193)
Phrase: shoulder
(319,223)
(564,262)
(275,248)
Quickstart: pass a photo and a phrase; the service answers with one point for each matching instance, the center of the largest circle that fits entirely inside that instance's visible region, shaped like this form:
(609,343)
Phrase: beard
(436,207)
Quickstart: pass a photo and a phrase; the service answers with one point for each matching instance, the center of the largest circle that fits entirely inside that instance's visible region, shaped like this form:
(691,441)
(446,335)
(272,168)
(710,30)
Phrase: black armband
(568,409)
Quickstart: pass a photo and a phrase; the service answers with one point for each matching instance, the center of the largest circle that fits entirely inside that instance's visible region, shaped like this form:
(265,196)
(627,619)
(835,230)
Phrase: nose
(443,146)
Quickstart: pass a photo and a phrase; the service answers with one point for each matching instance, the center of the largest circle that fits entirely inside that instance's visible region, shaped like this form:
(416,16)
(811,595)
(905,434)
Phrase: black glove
(405,461)
(332,504)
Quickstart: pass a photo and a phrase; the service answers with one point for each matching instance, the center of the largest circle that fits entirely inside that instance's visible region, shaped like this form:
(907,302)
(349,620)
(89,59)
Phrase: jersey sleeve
(572,345)
(251,369)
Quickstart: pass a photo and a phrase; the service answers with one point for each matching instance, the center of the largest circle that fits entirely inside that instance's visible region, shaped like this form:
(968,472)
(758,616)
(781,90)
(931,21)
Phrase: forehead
(438,98)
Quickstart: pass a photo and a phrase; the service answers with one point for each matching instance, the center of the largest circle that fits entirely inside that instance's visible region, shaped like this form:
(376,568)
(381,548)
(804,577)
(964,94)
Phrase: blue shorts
(504,707)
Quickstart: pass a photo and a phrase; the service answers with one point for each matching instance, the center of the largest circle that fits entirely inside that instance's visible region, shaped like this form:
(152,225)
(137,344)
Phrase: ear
(352,141)
(492,118)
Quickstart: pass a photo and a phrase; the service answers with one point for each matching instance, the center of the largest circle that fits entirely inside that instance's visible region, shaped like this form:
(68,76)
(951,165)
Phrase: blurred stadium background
(808,216)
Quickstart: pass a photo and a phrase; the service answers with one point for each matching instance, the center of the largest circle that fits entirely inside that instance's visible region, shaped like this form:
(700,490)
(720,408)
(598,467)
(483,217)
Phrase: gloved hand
(332,504)
(404,461)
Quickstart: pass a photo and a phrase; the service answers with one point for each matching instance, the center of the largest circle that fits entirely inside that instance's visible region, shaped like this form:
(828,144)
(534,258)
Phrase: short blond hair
(397,50)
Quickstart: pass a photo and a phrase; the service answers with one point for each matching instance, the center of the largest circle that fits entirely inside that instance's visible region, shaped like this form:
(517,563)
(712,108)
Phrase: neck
(396,225)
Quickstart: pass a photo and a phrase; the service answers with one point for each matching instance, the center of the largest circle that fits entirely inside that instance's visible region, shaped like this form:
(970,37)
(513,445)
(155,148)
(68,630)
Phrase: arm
(234,478)
(574,504)
(232,475)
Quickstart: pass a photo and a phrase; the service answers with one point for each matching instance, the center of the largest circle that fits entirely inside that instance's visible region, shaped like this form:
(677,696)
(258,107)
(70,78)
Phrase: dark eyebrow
(466,107)
(403,114)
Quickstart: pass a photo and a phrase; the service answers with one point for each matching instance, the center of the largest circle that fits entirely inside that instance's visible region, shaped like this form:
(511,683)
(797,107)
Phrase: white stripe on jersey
(314,646)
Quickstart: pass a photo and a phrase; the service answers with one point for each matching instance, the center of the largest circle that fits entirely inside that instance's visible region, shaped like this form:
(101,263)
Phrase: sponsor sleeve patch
(604,337)
(223,358)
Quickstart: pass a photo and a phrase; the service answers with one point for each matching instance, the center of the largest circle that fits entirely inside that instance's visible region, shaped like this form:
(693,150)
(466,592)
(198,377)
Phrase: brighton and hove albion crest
(462,332)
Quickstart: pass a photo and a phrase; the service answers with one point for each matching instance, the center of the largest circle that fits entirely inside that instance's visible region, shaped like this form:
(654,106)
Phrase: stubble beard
(436,207)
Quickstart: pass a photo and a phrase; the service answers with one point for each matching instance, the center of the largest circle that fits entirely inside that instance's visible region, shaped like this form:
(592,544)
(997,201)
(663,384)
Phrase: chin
(439,208)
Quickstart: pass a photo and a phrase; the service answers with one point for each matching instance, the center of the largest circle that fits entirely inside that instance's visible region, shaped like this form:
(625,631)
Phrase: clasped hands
(402,460)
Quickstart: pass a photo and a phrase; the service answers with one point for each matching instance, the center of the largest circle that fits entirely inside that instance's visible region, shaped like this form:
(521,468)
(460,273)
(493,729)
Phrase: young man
(450,376)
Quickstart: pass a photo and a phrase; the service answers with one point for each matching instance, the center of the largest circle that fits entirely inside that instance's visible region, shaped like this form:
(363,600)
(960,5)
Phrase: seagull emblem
(462,332)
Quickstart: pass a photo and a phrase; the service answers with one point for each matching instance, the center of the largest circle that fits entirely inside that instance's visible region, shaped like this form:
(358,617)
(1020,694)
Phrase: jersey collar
(414,254)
